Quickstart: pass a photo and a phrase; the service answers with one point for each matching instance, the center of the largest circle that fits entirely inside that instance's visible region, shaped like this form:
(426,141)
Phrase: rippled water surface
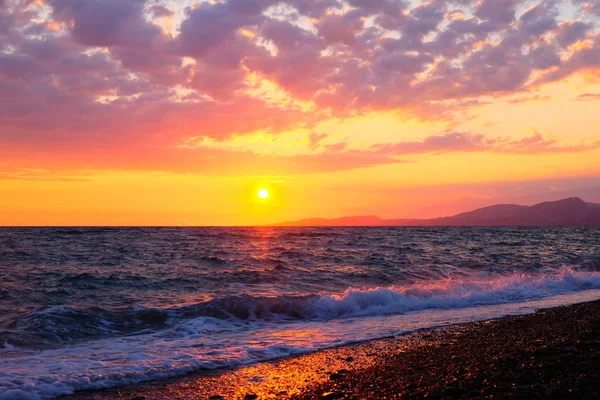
(187,298)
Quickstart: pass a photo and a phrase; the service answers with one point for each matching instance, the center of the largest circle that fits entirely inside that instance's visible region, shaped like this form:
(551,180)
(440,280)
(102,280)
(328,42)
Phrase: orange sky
(176,113)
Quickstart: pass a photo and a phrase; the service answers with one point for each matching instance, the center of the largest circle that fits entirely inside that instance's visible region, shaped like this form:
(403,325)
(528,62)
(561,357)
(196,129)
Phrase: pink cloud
(470,142)
(526,99)
(315,139)
(98,73)
(185,160)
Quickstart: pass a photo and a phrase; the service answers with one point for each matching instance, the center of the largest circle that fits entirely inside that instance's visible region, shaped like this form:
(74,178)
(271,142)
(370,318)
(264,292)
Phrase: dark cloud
(18,67)
(570,32)
(5,22)
(159,11)
(107,23)
(209,25)
(337,28)
(164,69)
(386,7)
(499,12)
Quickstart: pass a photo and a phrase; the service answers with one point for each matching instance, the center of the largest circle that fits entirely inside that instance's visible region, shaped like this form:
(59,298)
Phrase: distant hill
(455,206)
(567,212)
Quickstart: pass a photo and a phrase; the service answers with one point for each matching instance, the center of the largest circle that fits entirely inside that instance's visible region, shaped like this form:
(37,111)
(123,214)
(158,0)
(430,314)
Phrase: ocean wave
(60,325)
(452,293)
(213,260)
(322,232)
(90,278)
(209,343)
(63,325)
(84,308)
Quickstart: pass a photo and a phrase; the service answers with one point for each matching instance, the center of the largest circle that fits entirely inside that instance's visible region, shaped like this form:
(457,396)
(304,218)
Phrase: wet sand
(553,353)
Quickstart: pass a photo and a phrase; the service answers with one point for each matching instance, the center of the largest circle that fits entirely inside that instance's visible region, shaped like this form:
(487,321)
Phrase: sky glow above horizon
(145,112)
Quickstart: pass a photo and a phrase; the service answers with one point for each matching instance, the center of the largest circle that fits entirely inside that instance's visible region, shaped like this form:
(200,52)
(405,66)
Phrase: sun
(263,193)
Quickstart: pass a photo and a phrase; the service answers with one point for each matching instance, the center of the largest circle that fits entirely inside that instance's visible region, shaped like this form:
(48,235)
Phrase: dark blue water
(64,290)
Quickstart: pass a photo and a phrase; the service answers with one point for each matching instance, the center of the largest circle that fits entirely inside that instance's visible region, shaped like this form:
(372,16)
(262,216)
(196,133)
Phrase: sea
(92,308)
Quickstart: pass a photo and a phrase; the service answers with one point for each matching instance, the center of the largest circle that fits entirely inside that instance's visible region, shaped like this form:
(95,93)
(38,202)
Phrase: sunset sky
(145,112)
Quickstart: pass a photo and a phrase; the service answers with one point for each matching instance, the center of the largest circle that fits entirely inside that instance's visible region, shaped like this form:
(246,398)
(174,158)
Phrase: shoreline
(553,352)
(278,378)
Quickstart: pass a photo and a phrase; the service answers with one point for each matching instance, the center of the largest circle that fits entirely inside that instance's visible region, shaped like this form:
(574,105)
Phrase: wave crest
(452,293)
(56,325)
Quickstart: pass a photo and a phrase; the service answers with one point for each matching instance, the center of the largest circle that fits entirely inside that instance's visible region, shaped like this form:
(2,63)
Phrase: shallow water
(96,307)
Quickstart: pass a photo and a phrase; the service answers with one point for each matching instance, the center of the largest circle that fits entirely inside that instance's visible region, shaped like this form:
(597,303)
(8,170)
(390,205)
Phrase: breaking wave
(60,325)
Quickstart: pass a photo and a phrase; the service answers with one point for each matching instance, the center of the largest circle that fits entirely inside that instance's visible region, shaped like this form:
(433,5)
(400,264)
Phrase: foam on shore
(205,342)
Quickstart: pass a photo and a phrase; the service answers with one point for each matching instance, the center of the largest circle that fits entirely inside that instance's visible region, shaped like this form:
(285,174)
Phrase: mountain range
(571,211)
(455,206)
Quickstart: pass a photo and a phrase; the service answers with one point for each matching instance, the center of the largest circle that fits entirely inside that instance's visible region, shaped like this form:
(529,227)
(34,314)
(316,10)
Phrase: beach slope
(552,353)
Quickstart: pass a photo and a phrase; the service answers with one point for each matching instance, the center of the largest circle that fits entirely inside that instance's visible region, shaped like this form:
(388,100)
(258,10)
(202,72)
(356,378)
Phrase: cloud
(340,28)
(589,7)
(443,143)
(159,11)
(37,175)
(536,144)
(498,12)
(315,139)
(341,63)
(589,96)
(200,160)
(107,23)
(570,32)
(336,148)
(101,73)
(525,99)
(211,25)
(472,142)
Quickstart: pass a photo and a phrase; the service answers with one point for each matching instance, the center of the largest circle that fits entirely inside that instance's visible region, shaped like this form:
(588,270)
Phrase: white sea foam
(331,320)
(454,293)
